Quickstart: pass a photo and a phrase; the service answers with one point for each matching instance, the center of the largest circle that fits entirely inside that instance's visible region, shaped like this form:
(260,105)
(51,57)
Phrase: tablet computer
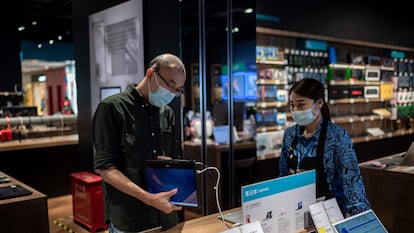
(366,221)
(164,175)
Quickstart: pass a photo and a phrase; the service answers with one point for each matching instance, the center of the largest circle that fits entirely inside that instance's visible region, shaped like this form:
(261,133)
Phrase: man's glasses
(176,92)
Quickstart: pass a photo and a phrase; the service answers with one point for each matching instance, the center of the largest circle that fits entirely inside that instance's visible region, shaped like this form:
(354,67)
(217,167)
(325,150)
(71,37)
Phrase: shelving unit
(366,85)
(271,105)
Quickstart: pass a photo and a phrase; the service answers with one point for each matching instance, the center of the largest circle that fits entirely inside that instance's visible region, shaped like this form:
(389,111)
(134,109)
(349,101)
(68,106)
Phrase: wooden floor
(61,216)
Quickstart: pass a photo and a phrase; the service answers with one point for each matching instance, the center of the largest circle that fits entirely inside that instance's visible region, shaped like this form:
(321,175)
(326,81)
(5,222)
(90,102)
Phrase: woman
(317,143)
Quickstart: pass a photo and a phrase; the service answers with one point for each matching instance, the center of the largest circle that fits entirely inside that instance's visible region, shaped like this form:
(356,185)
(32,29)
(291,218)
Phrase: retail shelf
(267,62)
(271,104)
(356,100)
(271,82)
(356,82)
(352,119)
(270,128)
(386,135)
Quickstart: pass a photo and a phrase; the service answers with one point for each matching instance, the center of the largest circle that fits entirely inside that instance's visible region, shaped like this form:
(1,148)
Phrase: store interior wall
(385,23)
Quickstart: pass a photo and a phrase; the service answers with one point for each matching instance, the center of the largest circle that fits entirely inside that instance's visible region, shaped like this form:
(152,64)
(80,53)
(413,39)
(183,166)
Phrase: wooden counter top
(39,142)
(209,223)
(26,213)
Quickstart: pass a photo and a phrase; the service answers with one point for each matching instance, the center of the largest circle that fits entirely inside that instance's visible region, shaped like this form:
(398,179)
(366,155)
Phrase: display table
(209,223)
(390,192)
(26,213)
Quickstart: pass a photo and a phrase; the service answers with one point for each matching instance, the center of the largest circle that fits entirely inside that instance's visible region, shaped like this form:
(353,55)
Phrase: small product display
(12,191)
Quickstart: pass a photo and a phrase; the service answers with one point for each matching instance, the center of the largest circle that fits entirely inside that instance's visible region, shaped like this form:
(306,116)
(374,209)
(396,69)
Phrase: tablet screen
(164,175)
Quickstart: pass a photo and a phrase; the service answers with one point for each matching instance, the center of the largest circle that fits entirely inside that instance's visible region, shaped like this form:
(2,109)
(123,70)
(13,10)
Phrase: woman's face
(298,103)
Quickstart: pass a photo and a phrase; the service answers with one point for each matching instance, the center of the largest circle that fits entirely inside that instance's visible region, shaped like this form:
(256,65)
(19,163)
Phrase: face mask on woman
(304,117)
(161,96)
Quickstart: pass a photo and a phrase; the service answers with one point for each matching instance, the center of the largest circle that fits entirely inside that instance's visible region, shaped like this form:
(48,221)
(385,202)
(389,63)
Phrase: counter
(390,191)
(26,213)
(207,224)
(42,142)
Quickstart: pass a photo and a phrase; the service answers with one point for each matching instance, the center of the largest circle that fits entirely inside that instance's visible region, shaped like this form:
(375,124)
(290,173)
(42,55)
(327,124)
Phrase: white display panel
(280,204)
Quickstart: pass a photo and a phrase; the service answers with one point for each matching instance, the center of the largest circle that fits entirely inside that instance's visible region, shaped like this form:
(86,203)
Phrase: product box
(340,74)
(269,144)
(272,53)
(386,90)
(282,95)
(261,53)
(338,91)
(281,118)
(266,74)
(266,93)
(372,75)
(356,91)
(269,117)
(371,92)
(387,62)
(373,60)
(357,74)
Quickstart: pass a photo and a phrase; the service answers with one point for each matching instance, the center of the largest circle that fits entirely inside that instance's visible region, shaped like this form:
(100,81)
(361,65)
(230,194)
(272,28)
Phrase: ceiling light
(39,46)
(21,28)
(235,29)
(51,41)
(59,37)
(34,23)
(248,10)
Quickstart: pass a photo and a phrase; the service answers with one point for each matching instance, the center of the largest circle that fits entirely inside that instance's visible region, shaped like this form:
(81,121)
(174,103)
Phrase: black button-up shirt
(126,131)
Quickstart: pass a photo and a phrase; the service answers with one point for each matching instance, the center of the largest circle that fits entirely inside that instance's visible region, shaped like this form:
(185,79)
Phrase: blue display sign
(397,54)
(316,45)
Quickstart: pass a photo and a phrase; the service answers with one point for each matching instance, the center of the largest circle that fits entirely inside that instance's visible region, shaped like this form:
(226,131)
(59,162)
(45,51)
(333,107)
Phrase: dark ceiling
(53,17)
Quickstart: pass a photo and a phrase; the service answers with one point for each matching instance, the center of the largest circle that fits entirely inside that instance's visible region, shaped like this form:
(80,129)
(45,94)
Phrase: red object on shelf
(87,200)
(6,135)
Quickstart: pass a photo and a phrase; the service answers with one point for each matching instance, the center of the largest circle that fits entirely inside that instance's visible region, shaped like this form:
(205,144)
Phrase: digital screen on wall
(251,85)
(244,86)
(108,91)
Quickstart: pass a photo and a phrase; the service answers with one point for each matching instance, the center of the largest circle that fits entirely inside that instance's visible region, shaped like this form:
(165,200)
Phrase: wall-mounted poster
(116,48)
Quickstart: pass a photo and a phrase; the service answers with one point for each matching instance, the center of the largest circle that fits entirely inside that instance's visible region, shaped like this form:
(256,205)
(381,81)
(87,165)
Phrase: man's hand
(161,201)
(163,157)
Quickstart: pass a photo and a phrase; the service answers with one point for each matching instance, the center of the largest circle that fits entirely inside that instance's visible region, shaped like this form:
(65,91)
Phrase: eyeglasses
(176,92)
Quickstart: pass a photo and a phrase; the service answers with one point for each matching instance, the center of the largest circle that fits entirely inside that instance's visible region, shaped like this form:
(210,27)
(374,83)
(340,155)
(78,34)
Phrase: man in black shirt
(127,131)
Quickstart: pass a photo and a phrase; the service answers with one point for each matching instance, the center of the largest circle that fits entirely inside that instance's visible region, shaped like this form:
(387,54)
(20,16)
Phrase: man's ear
(149,72)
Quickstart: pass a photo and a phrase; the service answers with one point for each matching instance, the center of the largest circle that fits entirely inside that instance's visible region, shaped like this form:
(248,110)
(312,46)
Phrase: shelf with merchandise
(362,78)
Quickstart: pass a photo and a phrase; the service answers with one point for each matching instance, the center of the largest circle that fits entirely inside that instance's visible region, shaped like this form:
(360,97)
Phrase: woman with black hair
(315,142)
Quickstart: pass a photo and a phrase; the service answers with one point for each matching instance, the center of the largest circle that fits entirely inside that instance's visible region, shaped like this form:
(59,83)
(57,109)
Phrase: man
(126,131)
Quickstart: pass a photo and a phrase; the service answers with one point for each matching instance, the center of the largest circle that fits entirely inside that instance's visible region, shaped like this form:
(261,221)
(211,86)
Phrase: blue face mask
(304,117)
(160,97)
